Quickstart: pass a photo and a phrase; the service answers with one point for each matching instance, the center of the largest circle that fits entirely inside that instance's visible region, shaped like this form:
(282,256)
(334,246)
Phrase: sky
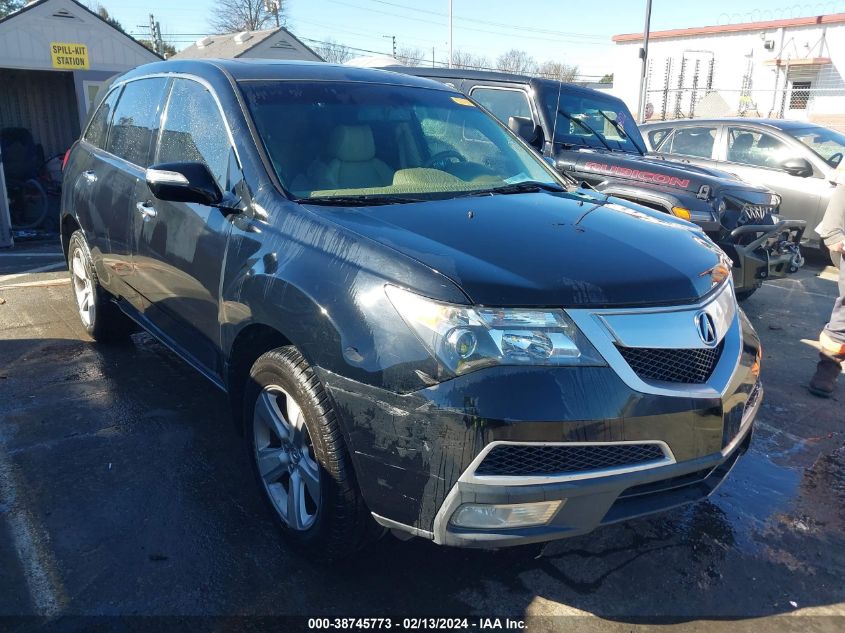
(573,32)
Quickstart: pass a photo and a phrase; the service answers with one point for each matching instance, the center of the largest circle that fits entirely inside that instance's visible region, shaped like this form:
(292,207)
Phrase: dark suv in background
(592,137)
(419,324)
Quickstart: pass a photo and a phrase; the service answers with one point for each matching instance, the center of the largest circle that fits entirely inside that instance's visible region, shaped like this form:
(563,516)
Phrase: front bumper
(764,251)
(595,501)
(415,454)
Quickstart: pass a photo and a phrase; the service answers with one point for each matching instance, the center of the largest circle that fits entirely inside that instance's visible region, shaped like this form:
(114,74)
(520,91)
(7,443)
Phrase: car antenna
(557,115)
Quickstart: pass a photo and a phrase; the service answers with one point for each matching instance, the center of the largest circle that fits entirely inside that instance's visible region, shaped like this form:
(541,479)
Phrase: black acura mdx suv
(420,325)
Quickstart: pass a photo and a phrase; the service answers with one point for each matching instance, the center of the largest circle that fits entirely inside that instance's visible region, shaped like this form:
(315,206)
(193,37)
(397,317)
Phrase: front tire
(101,318)
(300,459)
(744,295)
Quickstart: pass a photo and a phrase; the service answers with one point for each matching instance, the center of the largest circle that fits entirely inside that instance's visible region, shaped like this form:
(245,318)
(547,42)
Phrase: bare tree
(516,61)
(558,70)
(7,6)
(462,59)
(408,56)
(333,52)
(232,16)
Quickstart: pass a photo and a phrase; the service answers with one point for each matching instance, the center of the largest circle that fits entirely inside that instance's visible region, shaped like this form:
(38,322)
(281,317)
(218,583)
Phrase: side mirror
(184,182)
(797,167)
(525,128)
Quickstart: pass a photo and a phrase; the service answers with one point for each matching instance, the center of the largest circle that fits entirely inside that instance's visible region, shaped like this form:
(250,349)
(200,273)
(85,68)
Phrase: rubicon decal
(636,174)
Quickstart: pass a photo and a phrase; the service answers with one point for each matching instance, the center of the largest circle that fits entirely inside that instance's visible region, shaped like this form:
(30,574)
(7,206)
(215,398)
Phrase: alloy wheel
(285,458)
(83,288)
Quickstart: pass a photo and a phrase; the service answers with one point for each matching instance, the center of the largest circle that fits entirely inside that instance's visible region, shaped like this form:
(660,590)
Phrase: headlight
(775,200)
(464,338)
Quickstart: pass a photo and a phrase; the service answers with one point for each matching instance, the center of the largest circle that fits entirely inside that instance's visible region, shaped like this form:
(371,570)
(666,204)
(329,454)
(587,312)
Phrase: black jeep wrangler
(593,137)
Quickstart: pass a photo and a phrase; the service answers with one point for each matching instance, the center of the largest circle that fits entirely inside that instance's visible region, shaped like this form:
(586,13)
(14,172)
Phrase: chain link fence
(799,101)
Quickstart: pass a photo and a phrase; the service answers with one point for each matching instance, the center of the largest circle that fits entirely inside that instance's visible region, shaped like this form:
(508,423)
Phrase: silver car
(793,158)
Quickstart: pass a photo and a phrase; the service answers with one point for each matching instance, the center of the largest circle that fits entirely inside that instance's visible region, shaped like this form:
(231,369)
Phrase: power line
(558,40)
(578,77)
(491,23)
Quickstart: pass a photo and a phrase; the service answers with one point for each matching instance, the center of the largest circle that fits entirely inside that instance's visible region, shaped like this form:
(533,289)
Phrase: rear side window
(692,141)
(503,103)
(98,129)
(655,137)
(136,120)
(194,131)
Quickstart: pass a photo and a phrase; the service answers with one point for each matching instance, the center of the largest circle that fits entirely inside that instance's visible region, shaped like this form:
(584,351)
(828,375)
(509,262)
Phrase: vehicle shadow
(130,468)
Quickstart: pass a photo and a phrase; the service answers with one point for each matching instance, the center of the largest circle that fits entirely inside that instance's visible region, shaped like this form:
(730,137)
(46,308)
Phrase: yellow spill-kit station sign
(69,56)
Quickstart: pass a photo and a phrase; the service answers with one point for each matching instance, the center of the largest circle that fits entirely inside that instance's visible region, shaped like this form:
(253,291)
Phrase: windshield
(586,120)
(344,139)
(827,143)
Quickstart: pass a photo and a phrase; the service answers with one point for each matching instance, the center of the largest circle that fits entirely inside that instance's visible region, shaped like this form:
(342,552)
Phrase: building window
(800,95)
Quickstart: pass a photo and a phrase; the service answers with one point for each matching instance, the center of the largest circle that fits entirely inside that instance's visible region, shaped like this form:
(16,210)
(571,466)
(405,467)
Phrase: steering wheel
(835,159)
(441,157)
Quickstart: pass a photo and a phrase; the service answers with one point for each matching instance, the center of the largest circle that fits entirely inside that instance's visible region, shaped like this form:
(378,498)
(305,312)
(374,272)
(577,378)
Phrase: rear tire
(99,315)
(300,460)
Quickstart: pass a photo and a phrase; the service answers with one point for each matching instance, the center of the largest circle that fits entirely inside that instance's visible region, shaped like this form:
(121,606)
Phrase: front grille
(688,366)
(755,213)
(526,459)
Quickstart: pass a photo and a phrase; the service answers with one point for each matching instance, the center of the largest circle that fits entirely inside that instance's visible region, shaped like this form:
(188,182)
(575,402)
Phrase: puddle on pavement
(757,491)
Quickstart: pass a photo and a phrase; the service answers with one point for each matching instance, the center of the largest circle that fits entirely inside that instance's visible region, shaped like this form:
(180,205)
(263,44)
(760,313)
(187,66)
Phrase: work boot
(827,371)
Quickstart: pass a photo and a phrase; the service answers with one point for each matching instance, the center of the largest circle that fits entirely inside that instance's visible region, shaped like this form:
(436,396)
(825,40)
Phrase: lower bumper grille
(735,417)
(687,366)
(527,459)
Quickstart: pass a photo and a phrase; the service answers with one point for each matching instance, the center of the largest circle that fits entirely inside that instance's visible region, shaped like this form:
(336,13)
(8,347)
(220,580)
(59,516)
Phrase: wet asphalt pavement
(125,490)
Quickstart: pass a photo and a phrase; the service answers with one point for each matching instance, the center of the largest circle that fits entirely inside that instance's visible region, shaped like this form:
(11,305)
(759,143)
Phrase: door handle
(90,176)
(146,210)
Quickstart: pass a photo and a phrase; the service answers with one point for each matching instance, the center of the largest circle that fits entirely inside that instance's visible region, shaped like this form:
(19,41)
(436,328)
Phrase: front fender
(322,288)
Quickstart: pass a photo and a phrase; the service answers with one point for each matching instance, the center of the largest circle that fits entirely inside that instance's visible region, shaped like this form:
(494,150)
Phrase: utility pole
(273,6)
(392,37)
(155,35)
(644,57)
(450,31)
(432,57)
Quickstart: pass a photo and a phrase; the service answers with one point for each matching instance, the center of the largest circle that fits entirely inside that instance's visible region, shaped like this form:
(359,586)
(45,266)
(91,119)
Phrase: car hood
(545,249)
(651,169)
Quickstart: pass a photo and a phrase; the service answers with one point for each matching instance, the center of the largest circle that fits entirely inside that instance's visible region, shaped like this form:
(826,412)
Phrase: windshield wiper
(356,201)
(527,186)
(586,127)
(622,132)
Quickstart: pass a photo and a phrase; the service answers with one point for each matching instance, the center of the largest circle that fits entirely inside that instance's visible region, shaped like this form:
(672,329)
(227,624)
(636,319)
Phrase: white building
(54,56)
(276,43)
(789,68)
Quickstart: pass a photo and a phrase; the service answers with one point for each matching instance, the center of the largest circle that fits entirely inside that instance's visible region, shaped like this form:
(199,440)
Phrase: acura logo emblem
(706,328)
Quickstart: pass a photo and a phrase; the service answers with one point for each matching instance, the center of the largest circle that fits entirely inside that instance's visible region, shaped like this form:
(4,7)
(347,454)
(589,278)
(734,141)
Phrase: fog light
(682,213)
(484,517)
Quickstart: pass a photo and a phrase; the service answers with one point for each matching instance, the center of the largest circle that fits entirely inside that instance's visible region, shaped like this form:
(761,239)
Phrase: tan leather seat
(353,163)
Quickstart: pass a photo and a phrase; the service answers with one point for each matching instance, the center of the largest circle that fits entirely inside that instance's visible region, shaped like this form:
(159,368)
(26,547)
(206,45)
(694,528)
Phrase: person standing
(832,338)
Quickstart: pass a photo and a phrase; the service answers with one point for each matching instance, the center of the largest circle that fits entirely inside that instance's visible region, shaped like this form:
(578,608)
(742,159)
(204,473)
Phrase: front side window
(691,141)
(97,132)
(328,139)
(750,147)
(503,103)
(135,120)
(826,143)
(591,120)
(194,131)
